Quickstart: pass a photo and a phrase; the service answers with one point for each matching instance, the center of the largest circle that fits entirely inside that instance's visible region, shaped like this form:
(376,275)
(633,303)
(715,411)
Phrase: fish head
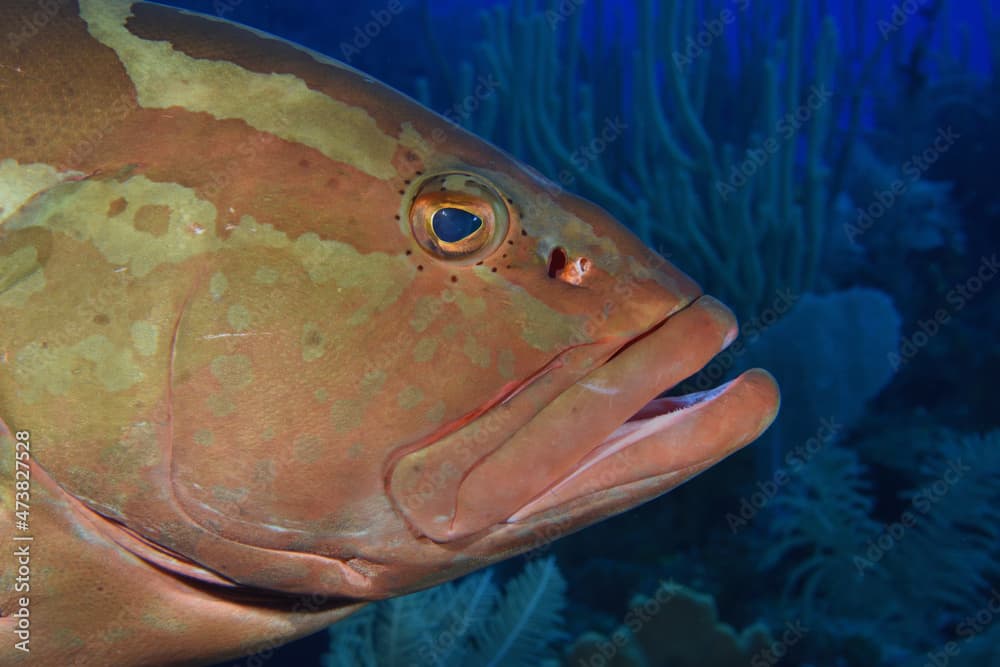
(458,372)
(349,349)
(562,424)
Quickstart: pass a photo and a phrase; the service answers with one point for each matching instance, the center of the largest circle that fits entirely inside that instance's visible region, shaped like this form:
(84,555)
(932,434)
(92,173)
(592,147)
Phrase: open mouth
(586,450)
(667,440)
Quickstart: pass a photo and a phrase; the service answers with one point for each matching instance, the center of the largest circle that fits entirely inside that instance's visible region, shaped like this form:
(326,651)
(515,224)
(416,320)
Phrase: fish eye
(453,225)
(458,217)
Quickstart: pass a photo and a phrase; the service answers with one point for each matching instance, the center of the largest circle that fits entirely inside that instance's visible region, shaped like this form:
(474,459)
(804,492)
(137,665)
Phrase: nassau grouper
(275,340)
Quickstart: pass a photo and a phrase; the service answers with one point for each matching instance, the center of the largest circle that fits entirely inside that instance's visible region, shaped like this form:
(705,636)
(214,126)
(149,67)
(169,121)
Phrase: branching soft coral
(952,554)
(459,624)
(743,197)
(819,527)
(855,576)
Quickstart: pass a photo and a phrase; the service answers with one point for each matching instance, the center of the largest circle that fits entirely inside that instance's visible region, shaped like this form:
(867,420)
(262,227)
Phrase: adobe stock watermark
(923,502)
(977,623)
(486,87)
(22,552)
(457,114)
(365,34)
(586,155)
(969,628)
(259,653)
(957,298)
(562,12)
(912,171)
(750,331)
(795,460)
(612,472)
(246,151)
(224,8)
(776,651)
(624,290)
(711,29)
(99,127)
(459,627)
(901,14)
(581,158)
(635,619)
(31,23)
(785,130)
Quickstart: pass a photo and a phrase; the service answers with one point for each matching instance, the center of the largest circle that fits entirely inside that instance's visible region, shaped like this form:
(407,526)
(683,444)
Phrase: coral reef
(930,562)
(678,627)
(459,624)
(712,136)
(743,198)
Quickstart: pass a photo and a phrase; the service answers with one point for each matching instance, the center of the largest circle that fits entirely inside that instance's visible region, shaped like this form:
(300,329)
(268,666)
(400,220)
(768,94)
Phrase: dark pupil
(453,224)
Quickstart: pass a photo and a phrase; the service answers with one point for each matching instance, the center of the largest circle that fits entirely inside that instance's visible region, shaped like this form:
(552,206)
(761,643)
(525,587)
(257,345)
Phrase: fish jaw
(601,446)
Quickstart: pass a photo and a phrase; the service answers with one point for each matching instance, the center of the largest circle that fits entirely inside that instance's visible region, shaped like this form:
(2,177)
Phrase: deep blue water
(854,515)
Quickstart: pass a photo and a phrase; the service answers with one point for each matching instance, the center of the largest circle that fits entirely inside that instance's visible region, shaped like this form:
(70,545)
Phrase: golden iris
(458,216)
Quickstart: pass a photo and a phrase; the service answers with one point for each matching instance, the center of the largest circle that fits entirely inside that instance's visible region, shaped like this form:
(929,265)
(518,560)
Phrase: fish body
(275,340)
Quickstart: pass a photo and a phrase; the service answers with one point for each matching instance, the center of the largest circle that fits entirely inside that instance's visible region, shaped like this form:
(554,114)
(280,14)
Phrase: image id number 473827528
(23,539)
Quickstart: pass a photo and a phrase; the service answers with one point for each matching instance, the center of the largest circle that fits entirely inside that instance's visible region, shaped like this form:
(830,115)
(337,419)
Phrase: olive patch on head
(458,217)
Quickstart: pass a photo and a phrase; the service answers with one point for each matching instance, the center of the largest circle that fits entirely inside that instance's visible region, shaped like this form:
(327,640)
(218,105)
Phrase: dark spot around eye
(511,242)
(509,266)
(411,157)
(454,279)
(402,192)
(101,319)
(304,164)
(407,182)
(557,262)
(420,267)
(480,263)
(510,201)
(409,252)
(494,269)
(420,173)
(504,256)
(524,233)
(397,217)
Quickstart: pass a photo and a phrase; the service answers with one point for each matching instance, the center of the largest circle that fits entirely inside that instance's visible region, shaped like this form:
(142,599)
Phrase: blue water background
(932,400)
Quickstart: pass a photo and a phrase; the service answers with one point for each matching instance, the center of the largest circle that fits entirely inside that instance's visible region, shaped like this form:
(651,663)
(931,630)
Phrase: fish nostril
(570,272)
(557,262)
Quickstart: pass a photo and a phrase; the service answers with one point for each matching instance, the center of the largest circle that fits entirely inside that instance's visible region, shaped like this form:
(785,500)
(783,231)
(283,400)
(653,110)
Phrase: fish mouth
(603,444)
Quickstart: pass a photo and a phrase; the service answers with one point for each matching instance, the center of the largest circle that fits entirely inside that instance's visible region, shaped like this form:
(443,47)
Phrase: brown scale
(45,75)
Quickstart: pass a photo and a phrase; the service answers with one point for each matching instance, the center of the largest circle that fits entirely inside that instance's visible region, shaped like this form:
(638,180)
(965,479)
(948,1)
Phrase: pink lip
(605,431)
